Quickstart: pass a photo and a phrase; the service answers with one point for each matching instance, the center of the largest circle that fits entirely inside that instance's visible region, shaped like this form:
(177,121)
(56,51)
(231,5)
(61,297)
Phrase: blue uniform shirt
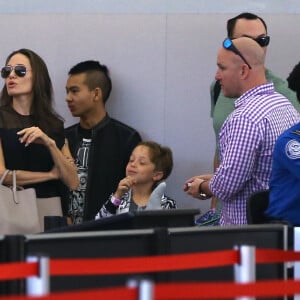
(284,203)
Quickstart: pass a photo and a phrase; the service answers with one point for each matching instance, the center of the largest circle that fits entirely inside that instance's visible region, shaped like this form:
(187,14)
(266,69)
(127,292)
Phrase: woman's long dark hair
(42,102)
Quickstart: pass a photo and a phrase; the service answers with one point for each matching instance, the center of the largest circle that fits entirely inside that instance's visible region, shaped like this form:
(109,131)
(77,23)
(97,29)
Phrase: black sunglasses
(20,71)
(262,41)
(228,44)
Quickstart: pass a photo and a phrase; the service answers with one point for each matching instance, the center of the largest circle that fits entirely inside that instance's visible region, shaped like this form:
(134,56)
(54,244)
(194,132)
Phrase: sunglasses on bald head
(20,71)
(228,44)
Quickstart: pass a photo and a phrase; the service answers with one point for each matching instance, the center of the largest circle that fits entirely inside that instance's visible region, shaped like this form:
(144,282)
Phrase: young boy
(143,187)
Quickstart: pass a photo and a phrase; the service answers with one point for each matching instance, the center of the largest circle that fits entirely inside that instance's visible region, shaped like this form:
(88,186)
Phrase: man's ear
(98,94)
(158,175)
(244,71)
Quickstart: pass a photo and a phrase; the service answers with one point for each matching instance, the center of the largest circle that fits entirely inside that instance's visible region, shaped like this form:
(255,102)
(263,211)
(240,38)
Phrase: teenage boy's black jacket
(111,147)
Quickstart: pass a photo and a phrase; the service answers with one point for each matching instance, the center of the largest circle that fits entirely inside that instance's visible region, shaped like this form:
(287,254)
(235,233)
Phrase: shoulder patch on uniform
(297,132)
(292,149)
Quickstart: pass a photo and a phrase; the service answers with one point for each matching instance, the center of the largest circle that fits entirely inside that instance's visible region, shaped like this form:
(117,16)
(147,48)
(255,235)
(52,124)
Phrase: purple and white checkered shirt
(247,139)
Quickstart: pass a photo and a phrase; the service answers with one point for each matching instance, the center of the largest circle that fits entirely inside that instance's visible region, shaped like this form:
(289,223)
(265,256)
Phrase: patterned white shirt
(247,139)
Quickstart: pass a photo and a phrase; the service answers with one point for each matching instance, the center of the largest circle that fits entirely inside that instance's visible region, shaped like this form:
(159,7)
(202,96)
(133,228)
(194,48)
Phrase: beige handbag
(48,207)
(18,209)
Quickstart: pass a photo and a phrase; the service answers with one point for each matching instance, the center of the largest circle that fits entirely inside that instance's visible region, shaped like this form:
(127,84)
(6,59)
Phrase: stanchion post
(297,263)
(245,271)
(145,288)
(39,285)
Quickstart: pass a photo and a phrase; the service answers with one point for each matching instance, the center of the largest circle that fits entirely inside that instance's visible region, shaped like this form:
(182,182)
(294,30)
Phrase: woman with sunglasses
(31,132)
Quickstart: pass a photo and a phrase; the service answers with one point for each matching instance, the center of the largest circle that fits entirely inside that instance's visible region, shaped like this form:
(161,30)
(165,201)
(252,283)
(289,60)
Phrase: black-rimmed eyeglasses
(228,44)
(20,71)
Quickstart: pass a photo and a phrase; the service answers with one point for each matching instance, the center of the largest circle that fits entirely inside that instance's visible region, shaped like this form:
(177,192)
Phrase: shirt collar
(266,88)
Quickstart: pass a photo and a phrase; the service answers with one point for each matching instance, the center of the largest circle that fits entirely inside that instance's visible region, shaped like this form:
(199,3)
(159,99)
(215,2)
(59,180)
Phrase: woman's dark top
(34,157)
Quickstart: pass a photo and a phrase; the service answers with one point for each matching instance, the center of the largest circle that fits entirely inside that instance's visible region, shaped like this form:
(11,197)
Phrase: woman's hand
(34,135)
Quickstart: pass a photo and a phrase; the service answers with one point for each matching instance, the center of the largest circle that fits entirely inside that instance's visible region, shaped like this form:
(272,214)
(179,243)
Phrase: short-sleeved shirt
(225,106)
(247,139)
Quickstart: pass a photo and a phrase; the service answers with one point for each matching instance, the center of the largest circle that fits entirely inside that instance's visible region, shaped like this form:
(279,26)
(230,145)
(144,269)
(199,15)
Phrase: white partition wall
(162,58)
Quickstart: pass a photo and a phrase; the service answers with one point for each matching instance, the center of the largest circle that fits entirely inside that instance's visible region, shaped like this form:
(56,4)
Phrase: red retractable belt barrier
(19,270)
(172,291)
(186,291)
(106,266)
(143,264)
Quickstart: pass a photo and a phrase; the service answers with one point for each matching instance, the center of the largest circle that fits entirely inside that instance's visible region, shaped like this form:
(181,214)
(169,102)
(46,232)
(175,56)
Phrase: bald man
(248,135)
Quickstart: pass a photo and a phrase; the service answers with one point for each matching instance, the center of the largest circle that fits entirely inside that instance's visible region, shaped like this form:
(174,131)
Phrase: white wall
(162,58)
